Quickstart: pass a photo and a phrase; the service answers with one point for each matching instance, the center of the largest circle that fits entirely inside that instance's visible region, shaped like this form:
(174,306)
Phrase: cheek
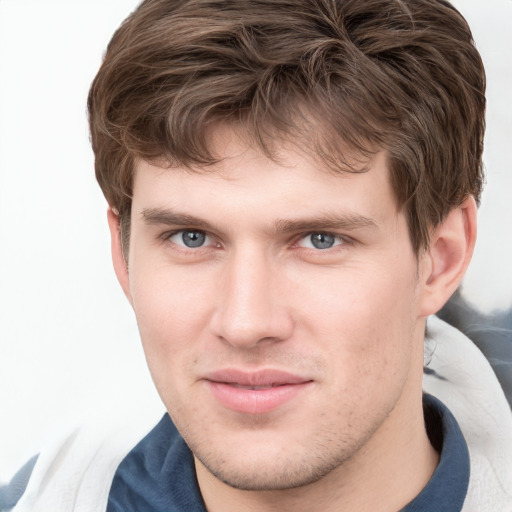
(166,295)
(172,308)
(365,322)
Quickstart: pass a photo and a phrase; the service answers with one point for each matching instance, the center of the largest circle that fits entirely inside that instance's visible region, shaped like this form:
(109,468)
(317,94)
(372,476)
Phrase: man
(292,191)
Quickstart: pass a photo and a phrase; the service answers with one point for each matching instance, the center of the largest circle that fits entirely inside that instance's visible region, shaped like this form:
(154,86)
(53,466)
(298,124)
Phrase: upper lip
(264,377)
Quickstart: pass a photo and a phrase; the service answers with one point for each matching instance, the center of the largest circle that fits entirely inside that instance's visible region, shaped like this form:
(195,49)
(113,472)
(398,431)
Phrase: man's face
(278,309)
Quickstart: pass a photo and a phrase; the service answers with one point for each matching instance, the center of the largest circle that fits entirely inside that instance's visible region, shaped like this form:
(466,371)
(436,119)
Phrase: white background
(68,340)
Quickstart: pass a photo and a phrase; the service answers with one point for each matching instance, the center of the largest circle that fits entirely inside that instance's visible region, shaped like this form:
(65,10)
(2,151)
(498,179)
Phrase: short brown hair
(398,75)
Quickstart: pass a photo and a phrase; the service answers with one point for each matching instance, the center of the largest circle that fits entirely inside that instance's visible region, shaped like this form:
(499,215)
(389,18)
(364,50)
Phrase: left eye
(191,239)
(320,241)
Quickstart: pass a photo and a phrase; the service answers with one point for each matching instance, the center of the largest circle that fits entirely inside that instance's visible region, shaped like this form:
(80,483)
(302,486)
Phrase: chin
(291,460)
(271,474)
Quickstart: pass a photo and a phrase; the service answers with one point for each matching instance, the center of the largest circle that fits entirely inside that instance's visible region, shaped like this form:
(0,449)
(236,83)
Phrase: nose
(251,309)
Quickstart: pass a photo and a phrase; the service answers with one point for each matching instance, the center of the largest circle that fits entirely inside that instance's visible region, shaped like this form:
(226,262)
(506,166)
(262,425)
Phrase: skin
(257,294)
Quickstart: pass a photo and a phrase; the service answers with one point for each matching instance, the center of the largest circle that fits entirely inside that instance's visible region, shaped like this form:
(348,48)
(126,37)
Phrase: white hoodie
(75,472)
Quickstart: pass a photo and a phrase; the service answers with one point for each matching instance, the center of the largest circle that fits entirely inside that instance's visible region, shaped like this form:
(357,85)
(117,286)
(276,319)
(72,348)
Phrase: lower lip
(255,401)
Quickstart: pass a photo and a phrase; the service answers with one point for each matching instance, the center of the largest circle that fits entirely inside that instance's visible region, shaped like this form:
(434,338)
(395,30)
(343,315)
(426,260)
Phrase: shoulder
(158,474)
(75,470)
(10,493)
(462,378)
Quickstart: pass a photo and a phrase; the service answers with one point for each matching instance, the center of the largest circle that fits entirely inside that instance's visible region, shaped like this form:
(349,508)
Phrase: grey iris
(322,240)
(193,238)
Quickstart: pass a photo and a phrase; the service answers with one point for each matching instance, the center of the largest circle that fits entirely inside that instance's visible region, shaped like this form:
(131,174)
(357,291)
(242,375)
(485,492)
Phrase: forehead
(244,181)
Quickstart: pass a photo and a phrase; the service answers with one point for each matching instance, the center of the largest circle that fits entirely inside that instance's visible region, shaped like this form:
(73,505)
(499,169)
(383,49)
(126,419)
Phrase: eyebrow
(324,222)
(169,217)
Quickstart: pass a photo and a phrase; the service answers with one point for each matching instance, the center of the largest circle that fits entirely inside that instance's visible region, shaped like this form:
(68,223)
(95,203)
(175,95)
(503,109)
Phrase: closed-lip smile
(255,392)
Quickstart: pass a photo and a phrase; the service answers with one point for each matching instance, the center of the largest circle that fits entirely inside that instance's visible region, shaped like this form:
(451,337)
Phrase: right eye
(190,239)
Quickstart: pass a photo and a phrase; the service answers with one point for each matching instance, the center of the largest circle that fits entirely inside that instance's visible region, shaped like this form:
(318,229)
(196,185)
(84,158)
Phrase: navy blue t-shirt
(158,475)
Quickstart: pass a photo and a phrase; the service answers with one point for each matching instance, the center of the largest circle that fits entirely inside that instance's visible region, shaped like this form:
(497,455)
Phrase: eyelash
(345,240)
(341,239)
(166,238)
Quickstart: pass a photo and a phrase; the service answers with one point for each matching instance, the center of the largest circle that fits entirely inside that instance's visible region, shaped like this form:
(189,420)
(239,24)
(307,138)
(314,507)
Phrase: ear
(118,259)
(444,264)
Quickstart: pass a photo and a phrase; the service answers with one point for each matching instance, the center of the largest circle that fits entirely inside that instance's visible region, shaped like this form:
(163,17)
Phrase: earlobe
(445,262)
(118,259)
